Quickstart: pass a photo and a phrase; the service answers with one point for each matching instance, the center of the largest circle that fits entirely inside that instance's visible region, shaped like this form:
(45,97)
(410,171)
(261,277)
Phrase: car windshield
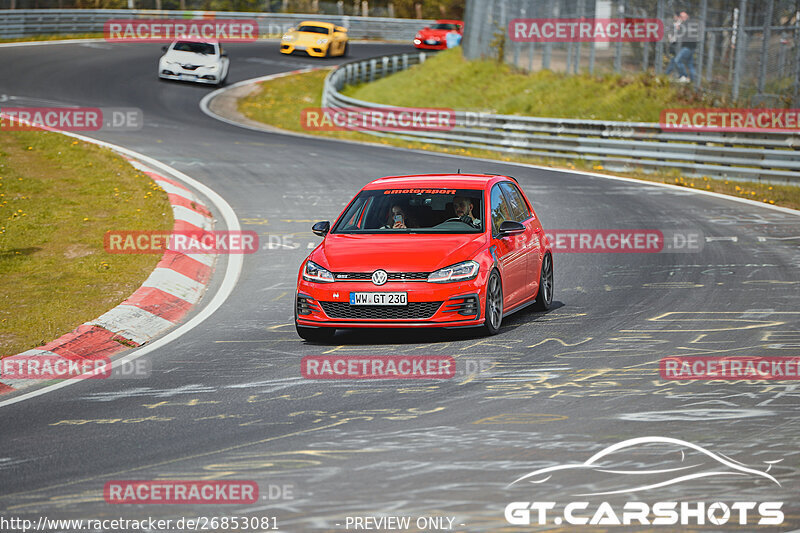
(313,29)
(445,27)
(197,48)
(430,209)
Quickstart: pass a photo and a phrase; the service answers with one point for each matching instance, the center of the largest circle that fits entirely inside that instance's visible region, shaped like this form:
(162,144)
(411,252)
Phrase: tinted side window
(519,208)
(499,208)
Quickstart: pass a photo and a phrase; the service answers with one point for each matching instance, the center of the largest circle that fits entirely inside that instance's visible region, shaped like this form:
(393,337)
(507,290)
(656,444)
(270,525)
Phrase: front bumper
(422,45)
(181,75)
(457,304)
(313,51)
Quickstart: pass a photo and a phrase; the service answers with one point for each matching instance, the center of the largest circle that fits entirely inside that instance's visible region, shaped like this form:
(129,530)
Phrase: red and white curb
(167,295)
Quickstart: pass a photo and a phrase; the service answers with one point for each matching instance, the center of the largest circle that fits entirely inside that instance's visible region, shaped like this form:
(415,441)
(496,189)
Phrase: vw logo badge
(379,277)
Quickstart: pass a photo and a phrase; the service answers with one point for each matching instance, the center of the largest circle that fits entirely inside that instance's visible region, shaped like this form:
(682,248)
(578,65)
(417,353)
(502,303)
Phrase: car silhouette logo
(379,277)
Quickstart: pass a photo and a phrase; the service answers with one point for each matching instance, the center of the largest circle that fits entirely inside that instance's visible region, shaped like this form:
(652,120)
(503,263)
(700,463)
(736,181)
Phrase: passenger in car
(398,219)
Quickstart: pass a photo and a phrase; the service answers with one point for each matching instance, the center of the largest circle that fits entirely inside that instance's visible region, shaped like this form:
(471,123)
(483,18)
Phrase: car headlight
(322,41)
(314,272)
(459,272)
(288,37)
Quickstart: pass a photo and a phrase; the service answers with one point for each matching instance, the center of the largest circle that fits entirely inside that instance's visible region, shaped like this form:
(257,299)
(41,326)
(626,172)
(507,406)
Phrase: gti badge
(379,277)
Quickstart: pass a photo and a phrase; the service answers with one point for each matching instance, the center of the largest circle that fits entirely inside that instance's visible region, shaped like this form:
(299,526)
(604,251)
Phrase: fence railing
(617,145)
(745,50)
(27,22)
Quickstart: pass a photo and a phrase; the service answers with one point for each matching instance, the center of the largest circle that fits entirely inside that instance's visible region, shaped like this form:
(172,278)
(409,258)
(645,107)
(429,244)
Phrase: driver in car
(463,207)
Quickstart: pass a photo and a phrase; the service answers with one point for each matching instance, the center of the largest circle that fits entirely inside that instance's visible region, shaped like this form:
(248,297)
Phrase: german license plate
(299,47)
(378,298)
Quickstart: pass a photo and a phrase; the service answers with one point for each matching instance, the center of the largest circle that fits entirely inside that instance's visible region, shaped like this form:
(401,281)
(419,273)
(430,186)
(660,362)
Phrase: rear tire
(346,49)
(493,311)
(315,334)
(544,298)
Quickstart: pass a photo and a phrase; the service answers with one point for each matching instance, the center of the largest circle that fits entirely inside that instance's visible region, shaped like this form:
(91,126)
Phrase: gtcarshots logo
(621,468)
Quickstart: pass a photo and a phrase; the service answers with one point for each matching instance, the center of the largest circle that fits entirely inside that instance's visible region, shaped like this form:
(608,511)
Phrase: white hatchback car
(198,61)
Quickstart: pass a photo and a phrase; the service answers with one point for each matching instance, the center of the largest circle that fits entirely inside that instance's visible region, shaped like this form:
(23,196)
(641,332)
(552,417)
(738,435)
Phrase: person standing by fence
(687,34)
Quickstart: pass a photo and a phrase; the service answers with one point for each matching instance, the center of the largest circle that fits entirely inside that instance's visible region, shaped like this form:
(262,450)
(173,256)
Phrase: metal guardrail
(617,145)
(16,23)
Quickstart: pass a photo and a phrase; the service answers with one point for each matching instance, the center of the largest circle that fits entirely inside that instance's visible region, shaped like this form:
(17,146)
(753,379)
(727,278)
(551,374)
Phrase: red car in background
(435,37)
(436,250)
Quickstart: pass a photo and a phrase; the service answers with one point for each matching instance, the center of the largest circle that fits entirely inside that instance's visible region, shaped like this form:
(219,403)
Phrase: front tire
(493,311)
(544,298)
(315,334)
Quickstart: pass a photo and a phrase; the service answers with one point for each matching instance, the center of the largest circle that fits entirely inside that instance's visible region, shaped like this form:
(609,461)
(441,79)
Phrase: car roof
(445,21)
(458,181)
(196,41)
(317,23)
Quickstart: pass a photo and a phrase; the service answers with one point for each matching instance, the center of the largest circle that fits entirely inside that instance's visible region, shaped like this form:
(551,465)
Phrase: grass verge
(279,103)
(58,197)
(497,88)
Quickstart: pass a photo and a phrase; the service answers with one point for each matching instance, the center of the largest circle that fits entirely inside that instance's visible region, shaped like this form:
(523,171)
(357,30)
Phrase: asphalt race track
(227,401)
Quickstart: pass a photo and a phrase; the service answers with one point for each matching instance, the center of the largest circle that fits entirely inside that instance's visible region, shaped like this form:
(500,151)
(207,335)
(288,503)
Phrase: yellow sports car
(317,39)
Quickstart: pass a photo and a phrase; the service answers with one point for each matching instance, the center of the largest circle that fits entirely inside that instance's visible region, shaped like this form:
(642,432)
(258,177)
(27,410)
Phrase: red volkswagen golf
(426,251)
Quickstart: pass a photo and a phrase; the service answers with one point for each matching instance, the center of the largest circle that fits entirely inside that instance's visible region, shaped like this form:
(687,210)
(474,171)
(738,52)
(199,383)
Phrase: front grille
(393,276)
(412,311)
(190,67)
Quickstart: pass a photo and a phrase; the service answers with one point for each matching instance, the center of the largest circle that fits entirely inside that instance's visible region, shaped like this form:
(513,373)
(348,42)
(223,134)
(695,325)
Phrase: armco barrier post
(765,35)
(384,66)
(740,50)
(373,64)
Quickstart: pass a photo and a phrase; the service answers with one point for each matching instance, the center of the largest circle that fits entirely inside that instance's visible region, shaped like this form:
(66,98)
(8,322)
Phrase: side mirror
(224,54)
(164,48)
(427,27)
(509,227)
(322,228)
